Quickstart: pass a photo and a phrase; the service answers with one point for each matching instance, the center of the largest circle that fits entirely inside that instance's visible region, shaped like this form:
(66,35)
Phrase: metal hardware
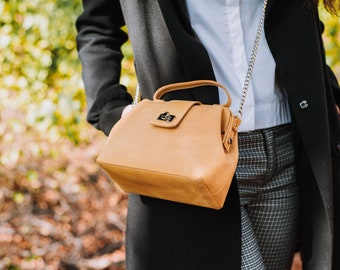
(252,59)
(303,104)
(135,99)
(166,117)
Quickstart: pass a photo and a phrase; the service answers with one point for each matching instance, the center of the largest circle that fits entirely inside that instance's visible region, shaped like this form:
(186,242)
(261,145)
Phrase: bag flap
(172,113)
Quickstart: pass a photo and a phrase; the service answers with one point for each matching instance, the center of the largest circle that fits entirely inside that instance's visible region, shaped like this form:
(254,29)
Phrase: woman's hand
(338,109)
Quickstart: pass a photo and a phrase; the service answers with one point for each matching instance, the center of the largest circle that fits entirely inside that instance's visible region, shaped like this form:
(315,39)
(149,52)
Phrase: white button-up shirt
(227,29)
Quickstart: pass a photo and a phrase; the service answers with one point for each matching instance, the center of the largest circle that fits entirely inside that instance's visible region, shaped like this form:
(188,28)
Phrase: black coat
(165,235)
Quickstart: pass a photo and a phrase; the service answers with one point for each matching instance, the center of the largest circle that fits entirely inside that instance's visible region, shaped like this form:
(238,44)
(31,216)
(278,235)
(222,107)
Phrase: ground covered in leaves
(57,209)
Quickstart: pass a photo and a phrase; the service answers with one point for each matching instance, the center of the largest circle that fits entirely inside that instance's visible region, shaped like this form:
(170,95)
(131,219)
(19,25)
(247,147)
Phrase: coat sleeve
(99,42)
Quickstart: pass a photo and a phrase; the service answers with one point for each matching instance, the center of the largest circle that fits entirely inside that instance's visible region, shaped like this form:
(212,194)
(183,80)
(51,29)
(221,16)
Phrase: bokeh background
(57,209)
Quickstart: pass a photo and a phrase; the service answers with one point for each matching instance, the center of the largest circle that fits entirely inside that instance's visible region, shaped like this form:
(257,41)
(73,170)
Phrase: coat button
(303,104)
(338,147)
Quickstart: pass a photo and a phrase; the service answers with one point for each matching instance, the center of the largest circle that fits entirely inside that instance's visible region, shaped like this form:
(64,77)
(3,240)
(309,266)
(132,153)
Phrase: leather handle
(187,85)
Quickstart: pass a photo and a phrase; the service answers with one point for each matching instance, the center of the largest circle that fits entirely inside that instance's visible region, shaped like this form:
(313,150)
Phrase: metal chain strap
(136,97)
(252,60)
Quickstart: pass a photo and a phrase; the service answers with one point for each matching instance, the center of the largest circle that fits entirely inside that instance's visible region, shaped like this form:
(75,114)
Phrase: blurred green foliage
(40,81)
(40,69)
(332,40)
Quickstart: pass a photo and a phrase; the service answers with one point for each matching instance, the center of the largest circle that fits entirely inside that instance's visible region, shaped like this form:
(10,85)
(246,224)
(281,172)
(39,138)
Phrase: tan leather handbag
(176,150)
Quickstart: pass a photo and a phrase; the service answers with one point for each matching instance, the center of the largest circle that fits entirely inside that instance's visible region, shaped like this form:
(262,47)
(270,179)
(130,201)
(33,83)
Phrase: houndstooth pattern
(266,179)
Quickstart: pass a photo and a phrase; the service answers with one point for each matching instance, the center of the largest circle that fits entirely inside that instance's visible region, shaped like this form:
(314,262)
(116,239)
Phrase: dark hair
(332,6)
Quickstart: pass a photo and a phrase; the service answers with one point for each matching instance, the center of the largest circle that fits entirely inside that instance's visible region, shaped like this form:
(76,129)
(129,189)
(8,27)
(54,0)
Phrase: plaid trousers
(266,177)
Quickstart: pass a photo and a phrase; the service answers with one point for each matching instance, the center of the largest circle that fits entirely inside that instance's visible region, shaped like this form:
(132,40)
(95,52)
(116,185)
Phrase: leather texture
(177,150)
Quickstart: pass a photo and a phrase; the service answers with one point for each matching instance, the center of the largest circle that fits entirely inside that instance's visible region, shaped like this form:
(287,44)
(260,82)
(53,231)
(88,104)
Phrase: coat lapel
(192,54)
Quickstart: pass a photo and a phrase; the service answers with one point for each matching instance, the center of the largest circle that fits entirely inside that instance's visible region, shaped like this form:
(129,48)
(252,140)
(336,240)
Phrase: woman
(289,136)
